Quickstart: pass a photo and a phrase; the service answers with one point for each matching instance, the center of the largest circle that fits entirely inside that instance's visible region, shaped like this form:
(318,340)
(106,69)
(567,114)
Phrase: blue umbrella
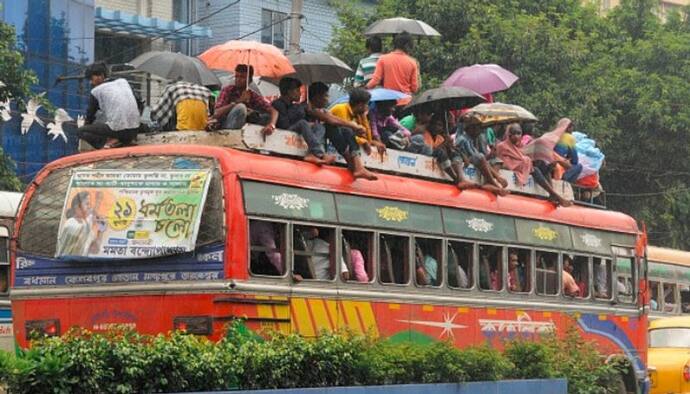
(378,94)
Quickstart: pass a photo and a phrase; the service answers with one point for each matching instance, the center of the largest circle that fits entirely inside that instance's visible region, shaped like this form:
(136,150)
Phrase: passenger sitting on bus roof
(567,156)
(426,268)
(570,288)
(509,151)
(384,124)
(182,106)
(418,120)
(436,142)
(293,116)
(467,144)
(238,105)
(261,234)
(321,258)
(112,117)
(514,277)
(355,110)
(340,132)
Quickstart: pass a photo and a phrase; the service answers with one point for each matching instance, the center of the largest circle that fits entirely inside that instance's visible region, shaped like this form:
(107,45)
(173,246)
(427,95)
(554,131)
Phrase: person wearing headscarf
(514,159)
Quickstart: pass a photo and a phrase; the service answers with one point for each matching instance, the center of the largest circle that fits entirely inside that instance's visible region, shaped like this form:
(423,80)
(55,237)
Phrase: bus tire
(619,385)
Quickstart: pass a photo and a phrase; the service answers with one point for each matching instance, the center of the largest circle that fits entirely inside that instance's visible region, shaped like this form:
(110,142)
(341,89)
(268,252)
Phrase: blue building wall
(245,17)
(56,38)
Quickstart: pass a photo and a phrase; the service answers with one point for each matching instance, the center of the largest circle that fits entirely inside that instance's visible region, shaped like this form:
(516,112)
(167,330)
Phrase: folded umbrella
(175,66)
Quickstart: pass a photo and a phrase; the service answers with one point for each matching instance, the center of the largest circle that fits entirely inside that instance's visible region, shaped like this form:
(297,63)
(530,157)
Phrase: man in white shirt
(321,257)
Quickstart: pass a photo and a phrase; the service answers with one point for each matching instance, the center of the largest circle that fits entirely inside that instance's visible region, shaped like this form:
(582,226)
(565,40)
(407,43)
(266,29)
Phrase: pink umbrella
(482,78)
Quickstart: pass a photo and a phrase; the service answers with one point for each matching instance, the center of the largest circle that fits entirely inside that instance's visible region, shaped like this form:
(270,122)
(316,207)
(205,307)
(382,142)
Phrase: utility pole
(295,26)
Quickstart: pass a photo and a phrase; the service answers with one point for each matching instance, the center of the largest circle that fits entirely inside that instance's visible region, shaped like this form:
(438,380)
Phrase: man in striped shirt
(367,66)
(185,102)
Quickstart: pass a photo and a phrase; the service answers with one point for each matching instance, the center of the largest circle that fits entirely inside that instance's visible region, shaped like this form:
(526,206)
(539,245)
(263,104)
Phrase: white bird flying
(5,114)
(55,128)
(30,116)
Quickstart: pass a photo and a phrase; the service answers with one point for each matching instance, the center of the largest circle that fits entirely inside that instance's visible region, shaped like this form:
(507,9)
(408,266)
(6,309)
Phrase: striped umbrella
(500,113)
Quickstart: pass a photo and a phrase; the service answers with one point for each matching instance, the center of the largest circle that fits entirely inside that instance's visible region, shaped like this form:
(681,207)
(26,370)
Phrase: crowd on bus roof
(455,139)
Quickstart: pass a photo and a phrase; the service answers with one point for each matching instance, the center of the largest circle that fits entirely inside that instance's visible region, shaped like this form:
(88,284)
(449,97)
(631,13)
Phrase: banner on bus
(118,214)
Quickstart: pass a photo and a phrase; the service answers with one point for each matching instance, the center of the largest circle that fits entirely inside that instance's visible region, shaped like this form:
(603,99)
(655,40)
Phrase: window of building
(547,272)
(314,253)
(274,26)
(267,248)
(490,267)
(394,258)
(670,298)
(460,264)
(428,270)
(519,270)
(4,261)
(184,11)
(602,278)
(358,253)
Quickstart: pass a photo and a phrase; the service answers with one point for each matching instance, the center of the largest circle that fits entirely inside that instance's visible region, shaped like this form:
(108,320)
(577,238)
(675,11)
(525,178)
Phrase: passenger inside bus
(519,268)
(460,262)
(394,259)
(570,287)
(547,275)
(490,267)
(670,302)
(581,274)
(654,295)
(358,246)
(684,298)
(426,265)
(266,240)
(312,251)
(602,278)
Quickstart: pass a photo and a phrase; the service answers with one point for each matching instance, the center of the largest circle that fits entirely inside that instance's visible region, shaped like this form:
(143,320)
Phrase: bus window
(581,275)
(684,298)
(460,263)
(267,246)
(624,279)
(670,301)
(4,263)
(314,253)
(519,270)
(654,296)
(358,247)
(428,270)
(547,273)
(602,278)
(394,258)
(490,267)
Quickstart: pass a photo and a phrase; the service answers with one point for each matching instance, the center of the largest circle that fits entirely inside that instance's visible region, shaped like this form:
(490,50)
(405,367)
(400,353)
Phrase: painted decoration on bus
(131,214)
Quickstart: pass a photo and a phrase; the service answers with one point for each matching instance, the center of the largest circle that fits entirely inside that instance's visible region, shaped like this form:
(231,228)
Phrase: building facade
(260,20)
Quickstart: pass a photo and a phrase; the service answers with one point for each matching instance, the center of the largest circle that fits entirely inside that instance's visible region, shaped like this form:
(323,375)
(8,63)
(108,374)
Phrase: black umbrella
(175,66)
(319,67)
(398,25)
(445,99)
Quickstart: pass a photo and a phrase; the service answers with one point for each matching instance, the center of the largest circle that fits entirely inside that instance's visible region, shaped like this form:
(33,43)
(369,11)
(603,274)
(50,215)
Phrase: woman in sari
(514,159)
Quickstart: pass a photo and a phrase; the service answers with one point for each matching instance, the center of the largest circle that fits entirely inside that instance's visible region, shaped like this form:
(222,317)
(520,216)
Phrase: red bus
(424,261)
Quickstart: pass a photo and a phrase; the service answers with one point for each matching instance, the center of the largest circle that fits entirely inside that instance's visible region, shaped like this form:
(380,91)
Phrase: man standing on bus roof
(367,65)
(398,70)
(238,105)
(115,105)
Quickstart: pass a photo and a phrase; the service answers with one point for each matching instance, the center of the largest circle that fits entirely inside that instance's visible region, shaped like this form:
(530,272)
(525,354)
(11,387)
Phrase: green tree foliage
(18,81)
(623,77)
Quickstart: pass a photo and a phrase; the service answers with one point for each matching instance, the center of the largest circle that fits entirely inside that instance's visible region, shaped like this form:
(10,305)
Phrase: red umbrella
(267,60)
(482,78)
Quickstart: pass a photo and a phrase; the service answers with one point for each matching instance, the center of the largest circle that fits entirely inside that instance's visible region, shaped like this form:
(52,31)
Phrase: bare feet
(366,148)
(564,203)
(328,159)
(364,174)
(112,143)
(502,181)
(495,189)
(313,159)
(465,185)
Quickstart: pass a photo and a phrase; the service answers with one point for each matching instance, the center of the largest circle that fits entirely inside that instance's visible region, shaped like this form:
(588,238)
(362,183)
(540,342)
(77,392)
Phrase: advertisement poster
(130,214)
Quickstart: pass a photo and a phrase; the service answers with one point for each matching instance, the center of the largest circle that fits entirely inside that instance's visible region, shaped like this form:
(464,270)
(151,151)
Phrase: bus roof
(272,169)
(9,202)
(667,255)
